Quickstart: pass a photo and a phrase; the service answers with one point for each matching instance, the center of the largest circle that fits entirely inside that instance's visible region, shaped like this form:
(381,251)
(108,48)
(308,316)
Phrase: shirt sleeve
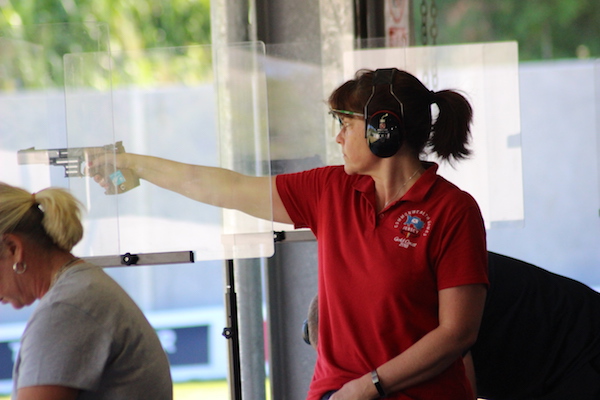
(63,346)
(300,193)
(461,258)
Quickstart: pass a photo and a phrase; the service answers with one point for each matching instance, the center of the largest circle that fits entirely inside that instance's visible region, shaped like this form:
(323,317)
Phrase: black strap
(384,76)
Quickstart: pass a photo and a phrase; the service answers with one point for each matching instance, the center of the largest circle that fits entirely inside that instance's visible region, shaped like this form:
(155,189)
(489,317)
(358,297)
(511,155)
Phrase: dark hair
(448,136)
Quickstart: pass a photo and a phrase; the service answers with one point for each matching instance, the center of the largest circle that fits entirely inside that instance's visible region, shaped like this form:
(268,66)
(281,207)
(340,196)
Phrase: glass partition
(66,98)
(597,119)
(487,74)
(170,103)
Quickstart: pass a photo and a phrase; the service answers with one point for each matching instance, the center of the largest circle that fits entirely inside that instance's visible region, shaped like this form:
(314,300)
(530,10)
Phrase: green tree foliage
(35,35)
(544,29)
(134,24)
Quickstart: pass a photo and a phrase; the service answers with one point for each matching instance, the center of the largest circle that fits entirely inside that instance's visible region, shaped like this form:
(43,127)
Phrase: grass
(201,390)
(213,390)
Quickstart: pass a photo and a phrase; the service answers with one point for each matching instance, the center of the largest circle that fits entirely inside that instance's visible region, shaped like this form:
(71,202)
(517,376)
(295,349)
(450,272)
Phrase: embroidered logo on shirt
(412,225)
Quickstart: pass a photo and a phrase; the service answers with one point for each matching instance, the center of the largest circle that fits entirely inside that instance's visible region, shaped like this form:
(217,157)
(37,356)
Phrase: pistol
(74,160)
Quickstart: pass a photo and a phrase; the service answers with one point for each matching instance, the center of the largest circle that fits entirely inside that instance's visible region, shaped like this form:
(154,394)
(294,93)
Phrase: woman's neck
(395,179)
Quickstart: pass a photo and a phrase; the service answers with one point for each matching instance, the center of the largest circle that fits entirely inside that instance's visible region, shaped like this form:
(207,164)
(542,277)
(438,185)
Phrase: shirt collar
(416,193)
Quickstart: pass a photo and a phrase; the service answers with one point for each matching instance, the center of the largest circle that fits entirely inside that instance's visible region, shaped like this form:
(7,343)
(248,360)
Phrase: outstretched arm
(211,185)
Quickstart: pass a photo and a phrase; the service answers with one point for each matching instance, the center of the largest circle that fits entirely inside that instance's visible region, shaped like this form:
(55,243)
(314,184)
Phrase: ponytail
(62,216)
(51,217)
(450,132)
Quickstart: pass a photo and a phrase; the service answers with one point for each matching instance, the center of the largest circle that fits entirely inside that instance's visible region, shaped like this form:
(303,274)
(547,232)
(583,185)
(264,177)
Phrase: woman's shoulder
(83,284)
(319,177)
(328,170)
(450,190)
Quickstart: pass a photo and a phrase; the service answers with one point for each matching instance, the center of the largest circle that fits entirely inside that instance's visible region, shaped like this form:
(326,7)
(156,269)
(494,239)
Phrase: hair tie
(36,203)
(431,97)
(34,199)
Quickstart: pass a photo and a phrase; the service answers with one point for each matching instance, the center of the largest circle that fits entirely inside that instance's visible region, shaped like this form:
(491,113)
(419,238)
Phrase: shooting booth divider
(597,111)
(195,104)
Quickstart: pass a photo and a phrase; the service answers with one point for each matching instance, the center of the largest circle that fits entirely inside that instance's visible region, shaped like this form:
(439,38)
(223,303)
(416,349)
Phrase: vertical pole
(249,289)
(231,333)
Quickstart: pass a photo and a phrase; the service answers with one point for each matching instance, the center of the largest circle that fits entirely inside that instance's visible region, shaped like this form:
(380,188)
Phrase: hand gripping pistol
(74,160)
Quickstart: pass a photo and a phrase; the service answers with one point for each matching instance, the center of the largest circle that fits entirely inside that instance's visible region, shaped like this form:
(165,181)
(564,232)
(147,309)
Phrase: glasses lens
(336,124)
(336,118)
(339,116)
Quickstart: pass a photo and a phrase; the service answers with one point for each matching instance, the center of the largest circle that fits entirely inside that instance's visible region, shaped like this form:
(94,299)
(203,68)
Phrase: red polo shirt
(379,274)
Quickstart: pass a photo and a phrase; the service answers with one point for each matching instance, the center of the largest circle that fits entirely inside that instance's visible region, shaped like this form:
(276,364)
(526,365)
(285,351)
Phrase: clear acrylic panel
(170,103)
(296,107)
(89,125)
(487,74)
(241,87)
(62,92)
(597,119)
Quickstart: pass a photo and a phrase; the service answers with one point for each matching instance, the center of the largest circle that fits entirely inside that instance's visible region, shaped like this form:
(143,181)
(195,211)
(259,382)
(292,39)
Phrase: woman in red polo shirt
(402,251)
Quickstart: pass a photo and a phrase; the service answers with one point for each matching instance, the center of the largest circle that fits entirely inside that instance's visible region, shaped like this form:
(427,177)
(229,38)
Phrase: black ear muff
(384,127)
(305,332)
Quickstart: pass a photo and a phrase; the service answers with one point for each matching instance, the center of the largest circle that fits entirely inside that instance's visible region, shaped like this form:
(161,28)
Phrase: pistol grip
(121,181)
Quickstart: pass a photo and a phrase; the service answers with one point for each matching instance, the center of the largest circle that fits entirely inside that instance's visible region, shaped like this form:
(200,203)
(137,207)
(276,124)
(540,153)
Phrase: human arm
(211,185)
(460,310)
(47,392)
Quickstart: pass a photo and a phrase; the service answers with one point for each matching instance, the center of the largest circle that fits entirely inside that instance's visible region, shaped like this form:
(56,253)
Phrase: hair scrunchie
(35,202)
(432,96)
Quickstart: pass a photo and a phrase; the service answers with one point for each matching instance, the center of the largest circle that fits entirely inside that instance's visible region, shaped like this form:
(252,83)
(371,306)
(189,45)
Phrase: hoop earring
(17,270)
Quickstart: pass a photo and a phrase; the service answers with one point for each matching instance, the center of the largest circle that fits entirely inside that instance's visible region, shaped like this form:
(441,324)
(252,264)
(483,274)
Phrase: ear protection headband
(384,127)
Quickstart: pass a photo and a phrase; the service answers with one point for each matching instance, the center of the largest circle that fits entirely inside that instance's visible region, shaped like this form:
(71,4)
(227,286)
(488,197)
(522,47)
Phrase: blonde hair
(51,216)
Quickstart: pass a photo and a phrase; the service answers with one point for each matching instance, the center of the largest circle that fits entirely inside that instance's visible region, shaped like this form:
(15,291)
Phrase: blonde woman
(86,339)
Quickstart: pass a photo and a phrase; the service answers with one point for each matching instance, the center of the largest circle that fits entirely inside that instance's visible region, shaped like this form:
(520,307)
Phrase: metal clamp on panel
(129,259)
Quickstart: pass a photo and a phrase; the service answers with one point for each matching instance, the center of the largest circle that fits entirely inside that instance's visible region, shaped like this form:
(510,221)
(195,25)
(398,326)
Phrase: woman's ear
(12,246)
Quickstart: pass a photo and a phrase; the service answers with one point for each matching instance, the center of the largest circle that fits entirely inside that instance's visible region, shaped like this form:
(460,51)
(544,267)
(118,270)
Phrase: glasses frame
(345,112)
(336,116)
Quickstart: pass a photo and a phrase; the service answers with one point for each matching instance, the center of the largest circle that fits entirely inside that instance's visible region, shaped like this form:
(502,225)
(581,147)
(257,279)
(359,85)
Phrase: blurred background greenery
(544,29)
(134,24)
(53,28)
